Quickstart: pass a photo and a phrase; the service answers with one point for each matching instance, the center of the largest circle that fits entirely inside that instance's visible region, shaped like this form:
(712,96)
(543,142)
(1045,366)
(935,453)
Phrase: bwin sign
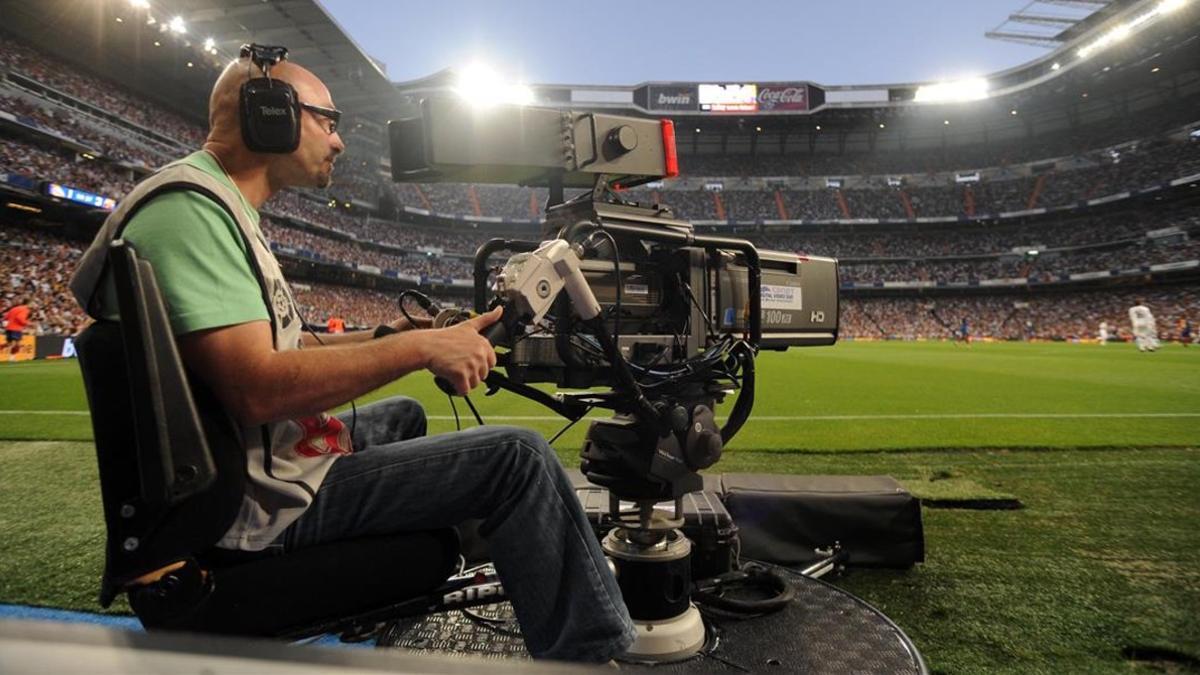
(471,593)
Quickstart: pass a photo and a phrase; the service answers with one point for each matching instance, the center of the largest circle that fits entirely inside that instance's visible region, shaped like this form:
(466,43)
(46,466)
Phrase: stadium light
(209,44)
(946,123)
(139,4)
(1012,112)
(960,90)
(481,85)
(1124,30)
(177,26)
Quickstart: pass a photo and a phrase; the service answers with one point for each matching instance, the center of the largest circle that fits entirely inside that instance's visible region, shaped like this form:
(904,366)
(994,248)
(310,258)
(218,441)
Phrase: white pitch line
(773,418)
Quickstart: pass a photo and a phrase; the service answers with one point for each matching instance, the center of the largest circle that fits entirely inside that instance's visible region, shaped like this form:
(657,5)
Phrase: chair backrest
(172,470)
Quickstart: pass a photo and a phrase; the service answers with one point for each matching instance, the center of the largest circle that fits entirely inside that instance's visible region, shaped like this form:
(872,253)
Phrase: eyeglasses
(332,114)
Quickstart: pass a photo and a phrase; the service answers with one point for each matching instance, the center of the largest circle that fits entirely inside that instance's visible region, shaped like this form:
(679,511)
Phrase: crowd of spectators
(61,166)
(1024,317)
(39,265)
(1038,268)
(38,268)
(106,95)
(358,307)
(107,142)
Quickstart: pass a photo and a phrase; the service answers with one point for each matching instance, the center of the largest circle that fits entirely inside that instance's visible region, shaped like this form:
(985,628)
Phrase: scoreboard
(730,97)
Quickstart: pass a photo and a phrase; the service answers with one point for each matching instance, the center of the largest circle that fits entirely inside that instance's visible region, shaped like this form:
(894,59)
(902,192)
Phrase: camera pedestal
(653,565)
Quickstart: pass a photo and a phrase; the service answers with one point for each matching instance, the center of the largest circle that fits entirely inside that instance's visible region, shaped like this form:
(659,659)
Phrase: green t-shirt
(199,257)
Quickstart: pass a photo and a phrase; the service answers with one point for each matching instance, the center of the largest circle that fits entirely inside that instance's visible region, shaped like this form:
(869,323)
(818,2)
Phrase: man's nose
(338,145)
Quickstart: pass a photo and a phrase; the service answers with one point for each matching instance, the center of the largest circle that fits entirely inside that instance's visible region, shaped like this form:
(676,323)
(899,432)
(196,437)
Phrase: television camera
(654,321)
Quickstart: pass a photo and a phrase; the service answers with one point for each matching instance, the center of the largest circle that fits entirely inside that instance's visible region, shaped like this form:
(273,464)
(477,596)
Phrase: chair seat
(290,594)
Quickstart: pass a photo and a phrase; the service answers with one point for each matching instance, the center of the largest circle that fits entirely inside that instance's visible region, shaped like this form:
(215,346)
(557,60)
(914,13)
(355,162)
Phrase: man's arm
(257,384)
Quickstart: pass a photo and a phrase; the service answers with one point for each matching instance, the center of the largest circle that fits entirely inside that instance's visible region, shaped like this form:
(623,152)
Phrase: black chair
(172,476)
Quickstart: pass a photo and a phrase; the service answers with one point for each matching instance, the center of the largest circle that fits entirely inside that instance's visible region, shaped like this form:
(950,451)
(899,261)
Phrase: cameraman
(309,482)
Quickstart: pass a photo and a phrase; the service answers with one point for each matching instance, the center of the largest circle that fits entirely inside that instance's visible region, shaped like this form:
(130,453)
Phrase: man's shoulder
(184,202)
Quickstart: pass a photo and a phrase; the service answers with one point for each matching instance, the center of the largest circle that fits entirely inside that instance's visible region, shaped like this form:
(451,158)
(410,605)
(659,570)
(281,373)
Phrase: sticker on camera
(781,297)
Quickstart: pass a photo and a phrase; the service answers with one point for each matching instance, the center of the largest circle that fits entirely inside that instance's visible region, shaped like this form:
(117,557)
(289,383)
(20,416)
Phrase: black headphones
(269,109)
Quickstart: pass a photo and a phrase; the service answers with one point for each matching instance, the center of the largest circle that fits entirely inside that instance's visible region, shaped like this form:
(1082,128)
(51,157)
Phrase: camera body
(675,299)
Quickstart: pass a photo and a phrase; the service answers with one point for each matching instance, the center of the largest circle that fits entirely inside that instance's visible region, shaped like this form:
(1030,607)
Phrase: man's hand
(460,355)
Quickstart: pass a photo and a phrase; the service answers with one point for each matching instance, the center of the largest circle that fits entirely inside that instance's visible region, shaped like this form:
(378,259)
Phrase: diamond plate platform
(825,630)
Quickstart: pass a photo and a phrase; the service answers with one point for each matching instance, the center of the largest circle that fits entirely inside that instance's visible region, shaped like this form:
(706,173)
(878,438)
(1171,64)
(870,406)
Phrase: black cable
(454,409)
(711,592)
(692,297)
(616,255)
(490,623)
(569,425)
(478,419)
(421,299)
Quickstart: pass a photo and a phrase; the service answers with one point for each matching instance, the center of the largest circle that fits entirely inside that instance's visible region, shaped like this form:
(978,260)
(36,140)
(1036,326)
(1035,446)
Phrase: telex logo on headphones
(271,111)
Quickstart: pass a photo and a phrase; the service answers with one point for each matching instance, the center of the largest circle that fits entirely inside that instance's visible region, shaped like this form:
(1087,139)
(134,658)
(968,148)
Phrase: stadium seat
(172,476)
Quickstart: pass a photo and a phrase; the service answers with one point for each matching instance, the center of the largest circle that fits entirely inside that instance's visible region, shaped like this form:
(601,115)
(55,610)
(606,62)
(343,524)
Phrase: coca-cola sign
(783,96)
(673,98)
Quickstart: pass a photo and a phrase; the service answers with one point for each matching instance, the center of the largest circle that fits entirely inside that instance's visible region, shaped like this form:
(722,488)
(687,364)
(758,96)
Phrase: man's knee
(526,446)
(407,407)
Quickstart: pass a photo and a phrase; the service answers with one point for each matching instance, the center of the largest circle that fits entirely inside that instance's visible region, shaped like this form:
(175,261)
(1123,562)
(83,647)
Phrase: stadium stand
(61,127)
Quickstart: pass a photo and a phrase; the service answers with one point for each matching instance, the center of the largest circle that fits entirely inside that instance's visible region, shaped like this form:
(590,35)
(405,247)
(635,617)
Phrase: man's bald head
(223,102)
(309,165)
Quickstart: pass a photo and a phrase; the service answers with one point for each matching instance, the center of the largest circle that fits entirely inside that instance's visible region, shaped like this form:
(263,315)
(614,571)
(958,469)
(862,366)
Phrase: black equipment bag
(783,519)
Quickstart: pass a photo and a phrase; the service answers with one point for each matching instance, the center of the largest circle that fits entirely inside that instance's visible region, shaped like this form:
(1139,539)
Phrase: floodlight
(960,90)
(481,85)
(209,44)
(140,4)
(1167,6)
(177,26)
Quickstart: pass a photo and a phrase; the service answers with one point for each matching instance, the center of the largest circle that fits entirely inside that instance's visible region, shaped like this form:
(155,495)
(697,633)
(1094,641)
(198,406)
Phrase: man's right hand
(459,354)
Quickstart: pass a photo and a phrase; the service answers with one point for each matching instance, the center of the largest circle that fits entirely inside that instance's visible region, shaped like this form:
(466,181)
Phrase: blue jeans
(552,568)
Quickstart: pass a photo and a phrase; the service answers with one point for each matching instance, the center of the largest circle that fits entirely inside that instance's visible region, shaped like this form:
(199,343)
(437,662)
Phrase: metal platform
(825,630)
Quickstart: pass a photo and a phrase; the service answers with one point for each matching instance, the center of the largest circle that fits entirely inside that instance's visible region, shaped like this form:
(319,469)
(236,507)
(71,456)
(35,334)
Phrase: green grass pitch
(1098,443)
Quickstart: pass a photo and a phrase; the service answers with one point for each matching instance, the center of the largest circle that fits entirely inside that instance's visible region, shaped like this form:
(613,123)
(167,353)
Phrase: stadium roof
(119,38)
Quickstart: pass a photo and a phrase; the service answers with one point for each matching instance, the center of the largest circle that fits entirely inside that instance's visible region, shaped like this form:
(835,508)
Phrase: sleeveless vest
(286,460)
